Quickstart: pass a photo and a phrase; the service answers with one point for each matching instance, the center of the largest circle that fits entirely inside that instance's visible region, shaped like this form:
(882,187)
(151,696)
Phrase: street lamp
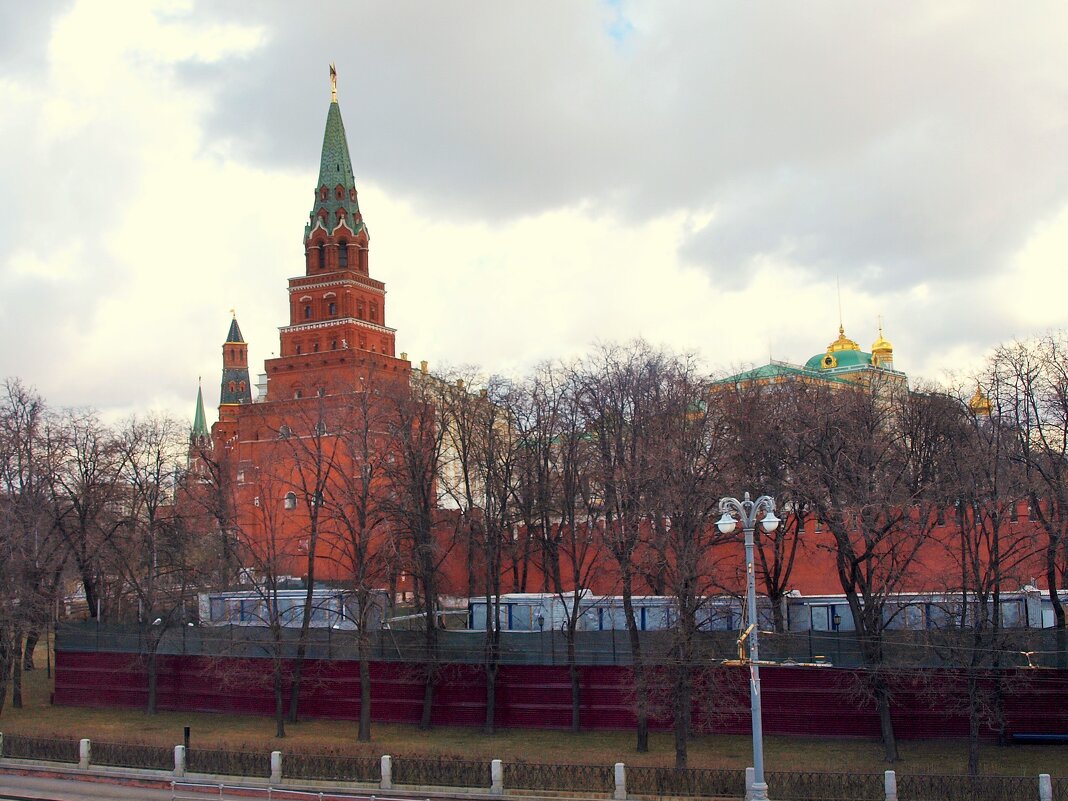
(746,513)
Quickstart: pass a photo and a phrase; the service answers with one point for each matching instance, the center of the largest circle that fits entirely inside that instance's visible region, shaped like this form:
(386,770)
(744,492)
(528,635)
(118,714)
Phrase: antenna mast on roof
(838,283)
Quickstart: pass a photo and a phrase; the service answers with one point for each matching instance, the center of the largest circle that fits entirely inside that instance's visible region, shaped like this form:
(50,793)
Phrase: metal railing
(811,786)
(440,772)
(337,767)
(229,763)
(48,749)
(662,782)
(570,778)
(132,755)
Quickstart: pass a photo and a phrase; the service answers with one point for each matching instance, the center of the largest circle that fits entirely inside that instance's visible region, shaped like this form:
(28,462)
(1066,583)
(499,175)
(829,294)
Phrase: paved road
(35,787)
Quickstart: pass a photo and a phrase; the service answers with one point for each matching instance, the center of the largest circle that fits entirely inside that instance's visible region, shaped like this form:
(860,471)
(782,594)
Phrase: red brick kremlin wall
(796,700)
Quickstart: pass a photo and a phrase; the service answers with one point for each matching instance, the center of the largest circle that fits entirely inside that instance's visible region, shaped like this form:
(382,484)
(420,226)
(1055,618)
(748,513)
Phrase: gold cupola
(843,343)
(882,352)
(980,403)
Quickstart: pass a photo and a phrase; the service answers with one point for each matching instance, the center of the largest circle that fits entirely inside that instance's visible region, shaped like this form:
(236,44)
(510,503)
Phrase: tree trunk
(973,725)
(640,689)
(682,704)
(491,697)
(151,667)
(5,668)
(16,672)
(886,722)
(364,735)
(31,643)
(279,700)
(576,689)
(430,678)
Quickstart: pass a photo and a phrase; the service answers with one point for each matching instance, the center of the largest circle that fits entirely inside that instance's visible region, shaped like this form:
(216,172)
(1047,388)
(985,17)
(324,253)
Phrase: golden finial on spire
(333,83)
(233,313)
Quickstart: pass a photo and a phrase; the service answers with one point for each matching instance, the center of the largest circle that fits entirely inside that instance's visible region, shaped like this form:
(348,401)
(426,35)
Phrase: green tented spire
(200,423)
(335,173)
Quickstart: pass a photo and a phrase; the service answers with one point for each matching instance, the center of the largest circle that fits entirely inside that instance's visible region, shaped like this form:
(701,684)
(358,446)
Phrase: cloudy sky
(536,177)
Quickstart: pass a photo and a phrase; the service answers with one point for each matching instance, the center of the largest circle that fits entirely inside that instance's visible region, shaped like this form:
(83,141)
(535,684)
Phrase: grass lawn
(599,747)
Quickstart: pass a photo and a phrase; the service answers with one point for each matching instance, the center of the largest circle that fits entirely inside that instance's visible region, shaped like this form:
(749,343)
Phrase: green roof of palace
(846,358)
(780,371)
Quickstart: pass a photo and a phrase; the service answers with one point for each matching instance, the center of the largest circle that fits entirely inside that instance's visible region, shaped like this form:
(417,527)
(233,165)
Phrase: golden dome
(882,344)
(842,343)
(980,403)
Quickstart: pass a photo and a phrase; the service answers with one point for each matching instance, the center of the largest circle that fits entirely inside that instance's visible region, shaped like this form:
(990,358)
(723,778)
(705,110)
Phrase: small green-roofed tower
(236,387)
(199,435)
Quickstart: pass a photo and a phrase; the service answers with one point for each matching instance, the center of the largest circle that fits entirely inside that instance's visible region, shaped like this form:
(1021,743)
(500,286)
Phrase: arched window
(343,254)
(333,344)
(285,432)
(321,392)
(315,347)
(233,387)
(291,500)
(307,312)
(359,309)
(333,308)
(298,350)
(374,312)
(320,428)
(322,257)
(241,386)
(298,394)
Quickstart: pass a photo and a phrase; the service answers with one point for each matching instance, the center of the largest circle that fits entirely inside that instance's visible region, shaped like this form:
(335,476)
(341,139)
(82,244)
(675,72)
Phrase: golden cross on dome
(333,83)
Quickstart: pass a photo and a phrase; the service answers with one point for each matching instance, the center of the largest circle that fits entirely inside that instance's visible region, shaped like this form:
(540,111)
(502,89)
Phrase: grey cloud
(901,142)
(24,29)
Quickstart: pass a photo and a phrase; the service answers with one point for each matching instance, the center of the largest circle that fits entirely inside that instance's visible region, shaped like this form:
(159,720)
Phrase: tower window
(307,312)
(374,312)
(315,347)
(322,257)
(333,308)
(233,387)
(241,386)
(320,428)
(343,254)
(359,309)
(285,432)
(291,500)
(298,350)
(333,344)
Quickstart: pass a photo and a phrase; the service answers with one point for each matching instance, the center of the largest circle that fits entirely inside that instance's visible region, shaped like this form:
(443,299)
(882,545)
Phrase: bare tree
(415,440)
(25,528)
(767,453)
(1030,392)
(153,552)
(870,453)
(688,458)
(363,538)
(620,393)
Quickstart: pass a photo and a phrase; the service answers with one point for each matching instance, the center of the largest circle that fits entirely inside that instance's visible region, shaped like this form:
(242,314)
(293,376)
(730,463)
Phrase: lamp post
(746,512)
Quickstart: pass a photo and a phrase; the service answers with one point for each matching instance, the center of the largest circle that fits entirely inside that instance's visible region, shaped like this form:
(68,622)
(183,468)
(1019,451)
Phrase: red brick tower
(235,388)
(337,331)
